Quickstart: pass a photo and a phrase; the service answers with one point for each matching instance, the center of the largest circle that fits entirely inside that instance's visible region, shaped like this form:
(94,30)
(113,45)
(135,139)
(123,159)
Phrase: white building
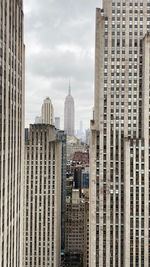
(47,112)
(69,114)
(12,72)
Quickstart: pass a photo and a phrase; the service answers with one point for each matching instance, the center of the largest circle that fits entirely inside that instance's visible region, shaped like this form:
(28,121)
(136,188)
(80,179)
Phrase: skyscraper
(42,198)
(119,153)
(47,112)
(12,73)
(57,123)
(69,114)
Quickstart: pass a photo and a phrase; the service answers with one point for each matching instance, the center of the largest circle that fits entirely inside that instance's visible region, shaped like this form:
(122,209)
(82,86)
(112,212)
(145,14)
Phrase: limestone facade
(47,112)
(69,115)
(42,197)
(119,145)
(12,73)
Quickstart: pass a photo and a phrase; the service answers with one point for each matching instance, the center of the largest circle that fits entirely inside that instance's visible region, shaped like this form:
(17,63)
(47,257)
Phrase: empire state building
(69,114)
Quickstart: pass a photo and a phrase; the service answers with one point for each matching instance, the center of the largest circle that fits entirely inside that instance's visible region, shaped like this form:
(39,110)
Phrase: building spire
(69,88)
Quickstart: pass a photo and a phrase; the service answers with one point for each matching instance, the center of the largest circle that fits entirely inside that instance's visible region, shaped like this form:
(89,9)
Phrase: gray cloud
(59,38)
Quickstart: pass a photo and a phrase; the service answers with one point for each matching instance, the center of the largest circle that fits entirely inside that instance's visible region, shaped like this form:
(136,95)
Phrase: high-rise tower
(119,153)
(69,114)
(11,131)
(47,112)
(57,122)
(42,198)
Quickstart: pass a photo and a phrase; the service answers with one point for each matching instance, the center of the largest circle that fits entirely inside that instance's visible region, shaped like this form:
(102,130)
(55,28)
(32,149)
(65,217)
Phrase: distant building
(57,123)
(77,177)
(26,133)
(77,231)
(69,114)
(81,157)
(81,127)
(73,260)
(85,178)
(85,194)
(69,186)
(74,240)
(87,133)
(80,133)
(47,112)
(42,198)
(74,145)
(38,120)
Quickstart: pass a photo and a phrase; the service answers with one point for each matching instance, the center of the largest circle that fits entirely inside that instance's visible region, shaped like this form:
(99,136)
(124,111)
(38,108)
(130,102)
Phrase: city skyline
(49,75)
(75,193)
(33,162)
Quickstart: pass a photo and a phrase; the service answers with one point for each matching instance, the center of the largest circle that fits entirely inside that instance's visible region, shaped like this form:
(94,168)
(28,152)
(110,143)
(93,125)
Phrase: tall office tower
(57,123)
(42,198)
(11,130)
(69,114)
(47,112)
(119,153)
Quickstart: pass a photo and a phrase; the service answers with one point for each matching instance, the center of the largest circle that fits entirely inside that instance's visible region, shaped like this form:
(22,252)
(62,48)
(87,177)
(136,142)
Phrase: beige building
(42,198)
(119,149)
(74,145)
(47,112)
(12,73)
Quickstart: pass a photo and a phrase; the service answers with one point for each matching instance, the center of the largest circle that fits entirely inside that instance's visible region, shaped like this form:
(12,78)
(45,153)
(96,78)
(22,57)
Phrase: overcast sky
(60,40)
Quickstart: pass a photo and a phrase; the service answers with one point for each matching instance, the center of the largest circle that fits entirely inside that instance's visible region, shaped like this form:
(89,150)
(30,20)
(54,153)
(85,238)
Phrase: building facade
(74,227)
(42,197)
(119,153)
(69,114)
(74,145)
(77,174)
(12,73)
(77,230)
(47,112)
(81,157)
(86,235)
(61,136)
(85,177)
